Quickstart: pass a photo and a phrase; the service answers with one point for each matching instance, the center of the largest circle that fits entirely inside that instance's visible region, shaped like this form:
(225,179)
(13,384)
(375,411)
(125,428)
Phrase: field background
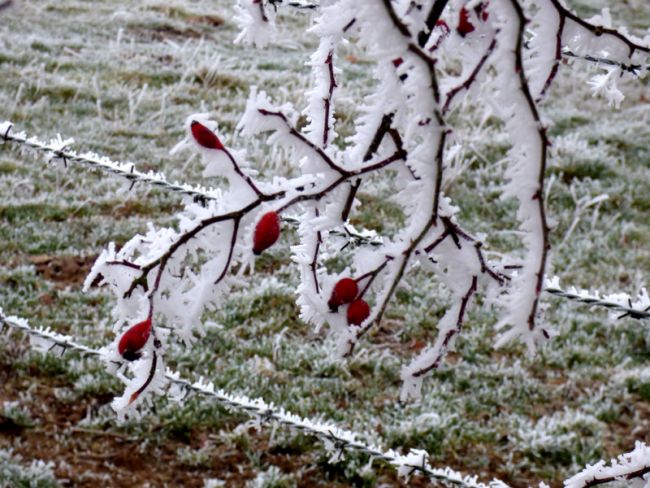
(120,77)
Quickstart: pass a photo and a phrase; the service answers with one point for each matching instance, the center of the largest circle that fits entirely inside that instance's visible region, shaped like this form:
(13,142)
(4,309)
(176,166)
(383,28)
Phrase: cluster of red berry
(267,232)
(345,291)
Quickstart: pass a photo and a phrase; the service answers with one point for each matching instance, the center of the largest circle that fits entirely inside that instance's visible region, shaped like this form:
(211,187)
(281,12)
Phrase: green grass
(16,473)
(75,79)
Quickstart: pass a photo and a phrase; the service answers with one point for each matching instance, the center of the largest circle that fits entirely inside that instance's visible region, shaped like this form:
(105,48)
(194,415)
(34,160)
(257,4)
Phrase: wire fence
(58,148)
(620,302)
(336,440)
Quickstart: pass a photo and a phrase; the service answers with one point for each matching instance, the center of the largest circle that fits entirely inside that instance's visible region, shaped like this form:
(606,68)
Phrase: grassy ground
(121,77)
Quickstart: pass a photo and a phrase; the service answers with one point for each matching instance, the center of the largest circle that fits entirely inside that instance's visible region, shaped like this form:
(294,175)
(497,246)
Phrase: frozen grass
(15,473)
(120,77)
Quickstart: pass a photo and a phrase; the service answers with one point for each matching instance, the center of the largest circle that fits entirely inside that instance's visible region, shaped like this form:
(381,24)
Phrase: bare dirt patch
(85,456)
(63,270)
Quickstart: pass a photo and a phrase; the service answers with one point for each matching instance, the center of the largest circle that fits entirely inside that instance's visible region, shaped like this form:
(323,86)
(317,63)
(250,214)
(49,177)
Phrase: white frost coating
(252,122)
(561,429)
(147,373)
(256,23)
(458,269)
(524,183)
(605,85)
(320,108)
(387,98)
(541,58)
(629,466)
(313,308)
(262,115)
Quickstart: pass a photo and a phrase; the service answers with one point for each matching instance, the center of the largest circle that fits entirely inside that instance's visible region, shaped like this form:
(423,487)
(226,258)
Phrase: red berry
(358,311)
(204,136)
(344,291)
(464,25)
(266,233)
(134,339)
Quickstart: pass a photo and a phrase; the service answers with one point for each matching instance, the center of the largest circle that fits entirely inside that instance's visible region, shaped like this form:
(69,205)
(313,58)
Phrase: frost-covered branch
(336,440)
(428,57)
(631,466)
(601,30)
(593,40)
(526,174)
(467,83)
(449,329)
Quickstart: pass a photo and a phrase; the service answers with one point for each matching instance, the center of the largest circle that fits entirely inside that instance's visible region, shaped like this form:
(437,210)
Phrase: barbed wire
(634,69)
(335,439)
(616,302)
(354,236)
(58,149)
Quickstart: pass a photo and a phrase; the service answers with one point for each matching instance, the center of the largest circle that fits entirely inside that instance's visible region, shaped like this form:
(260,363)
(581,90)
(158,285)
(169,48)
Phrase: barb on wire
(58,149)
(297,5)
(334,438)
(634,69)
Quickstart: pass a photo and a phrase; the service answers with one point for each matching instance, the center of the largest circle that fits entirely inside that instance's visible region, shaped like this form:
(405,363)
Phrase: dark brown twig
(452,333)
(599,30)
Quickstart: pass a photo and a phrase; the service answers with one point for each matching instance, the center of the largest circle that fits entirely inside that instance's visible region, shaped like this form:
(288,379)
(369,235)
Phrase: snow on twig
(634,465)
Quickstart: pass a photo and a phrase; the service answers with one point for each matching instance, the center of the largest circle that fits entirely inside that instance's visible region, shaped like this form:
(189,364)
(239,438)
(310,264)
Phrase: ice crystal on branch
(632,467)
(431,58)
